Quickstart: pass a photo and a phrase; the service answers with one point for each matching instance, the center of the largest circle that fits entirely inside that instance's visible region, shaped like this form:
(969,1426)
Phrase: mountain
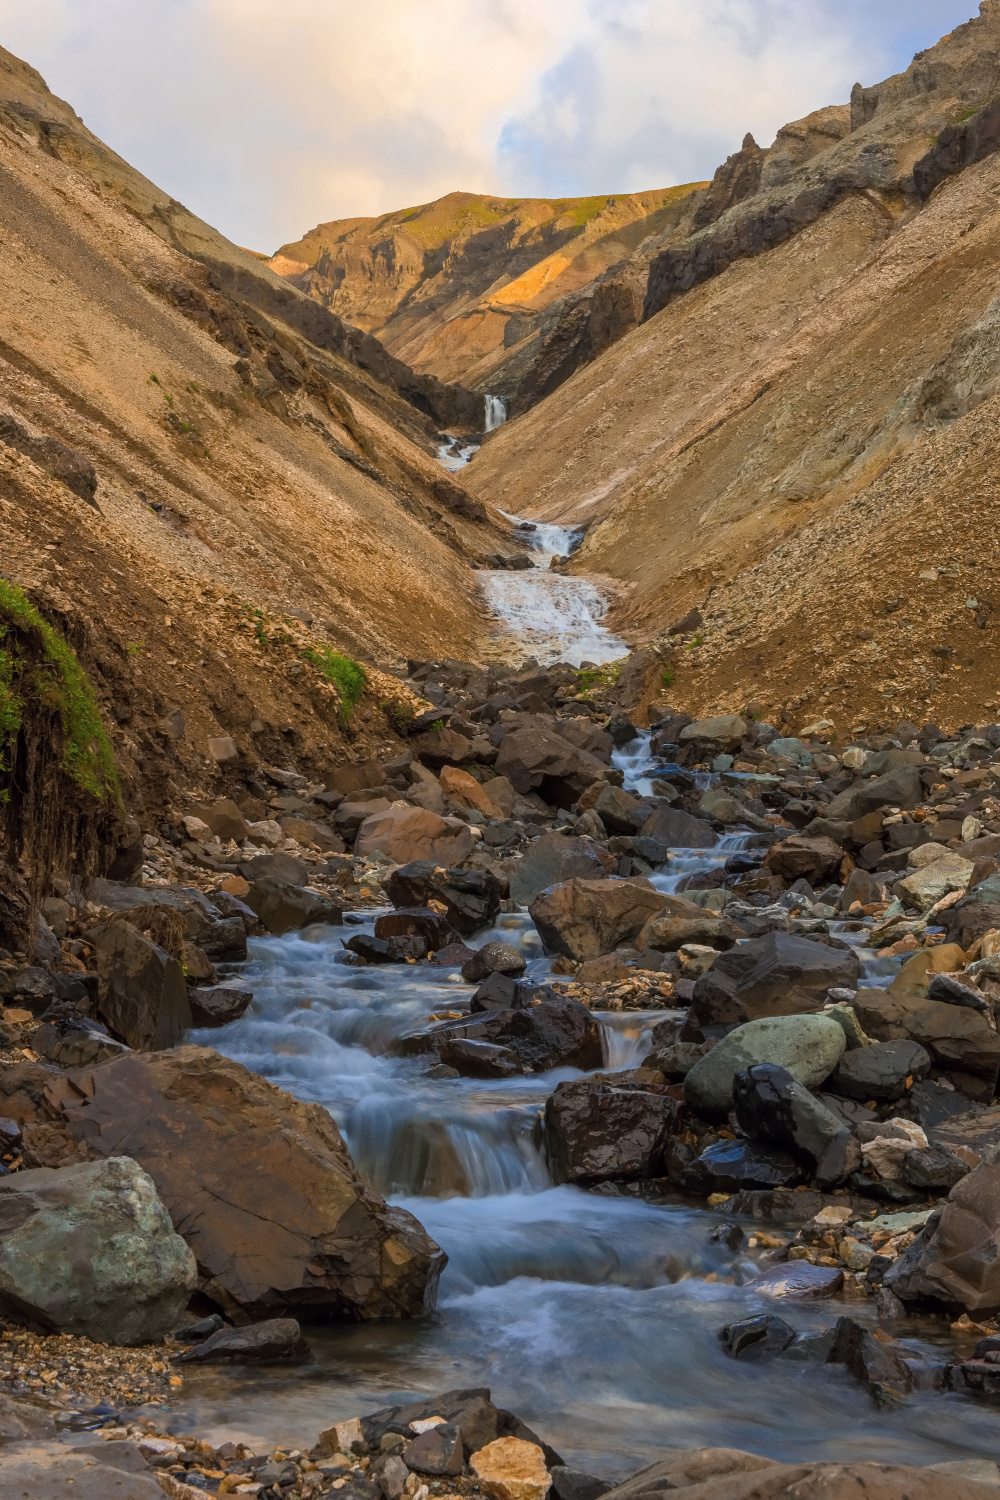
(461,287)
(204,474)
(799,439)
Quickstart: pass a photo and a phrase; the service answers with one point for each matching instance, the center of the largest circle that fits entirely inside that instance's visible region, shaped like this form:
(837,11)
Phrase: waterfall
(496,412)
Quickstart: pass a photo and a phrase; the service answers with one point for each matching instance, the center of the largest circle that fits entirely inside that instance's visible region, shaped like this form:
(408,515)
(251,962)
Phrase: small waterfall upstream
(593,1315)
(496,412)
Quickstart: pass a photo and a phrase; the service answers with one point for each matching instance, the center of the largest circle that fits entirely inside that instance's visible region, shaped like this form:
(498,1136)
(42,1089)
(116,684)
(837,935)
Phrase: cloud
(268,118)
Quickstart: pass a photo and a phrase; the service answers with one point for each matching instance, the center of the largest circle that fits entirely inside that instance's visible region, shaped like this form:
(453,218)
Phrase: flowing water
(594,1316)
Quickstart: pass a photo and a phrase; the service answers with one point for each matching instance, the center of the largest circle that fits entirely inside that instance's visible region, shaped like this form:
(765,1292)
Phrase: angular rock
(758,1338)
(436,1451)
(955,1261)
(798,1278)
(585,918)
(90,1250)
(471,898)
(571,1484)
(288,908)
(934,1169)
(555,1033)
(494,958)
(900,788)
(724,733)
(404,834)
(217,1006)
(277,1341)
(681,922)
(913,980)
(776,975)
(468,793)
(535,758)
(799,858)
(553,859)
(882,1071)
(948,990)
(958,1040)
(417,921)
(394,950)
(934,881)
(869,1360)
(772,1106)
(809,1047)
(142,995)
(729,1166)
(596,1130)
(351,815)
(261,1186)
(511,1469)
(678,830)
(478,1059)
(223,818)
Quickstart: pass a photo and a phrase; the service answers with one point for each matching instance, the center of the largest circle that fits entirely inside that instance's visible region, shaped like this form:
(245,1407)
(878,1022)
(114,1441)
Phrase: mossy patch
(347,675)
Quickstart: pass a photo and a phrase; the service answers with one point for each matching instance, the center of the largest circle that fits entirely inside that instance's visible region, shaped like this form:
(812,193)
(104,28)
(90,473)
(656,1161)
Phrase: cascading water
(496,412)
(593,1315)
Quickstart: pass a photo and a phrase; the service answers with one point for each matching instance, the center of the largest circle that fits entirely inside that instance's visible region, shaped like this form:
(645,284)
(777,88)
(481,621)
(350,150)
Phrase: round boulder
(809,1047)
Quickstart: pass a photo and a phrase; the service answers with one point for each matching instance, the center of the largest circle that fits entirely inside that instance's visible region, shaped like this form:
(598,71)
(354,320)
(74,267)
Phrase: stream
(594,1316)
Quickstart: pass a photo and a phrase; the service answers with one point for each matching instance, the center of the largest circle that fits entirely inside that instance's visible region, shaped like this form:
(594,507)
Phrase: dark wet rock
(261,1184)
(841,1159)
(729,1166)
(583,919)
(437,1451)
(553,859)
(217,1006)
(957,1039)
(799,1278)
(494,958)
(777,975)
(471,897)
(572,1484)
(809,1047)
(974,1128)
(596,1130)
(417,921)
(555,1033)
(478,1059)
(501,992)
(955,1261)
(951,991)
(934,1169)
(89,1249)
(934,1103)
(452,957)
(882,1071)
(900,788)
(798,857)
(142,996)
(620,811)
(678,830)
(772,1106)
(201,1329)
(394,950)
(283,908)
(763,1337)
(535,757)
(276,1341)
(871,1360)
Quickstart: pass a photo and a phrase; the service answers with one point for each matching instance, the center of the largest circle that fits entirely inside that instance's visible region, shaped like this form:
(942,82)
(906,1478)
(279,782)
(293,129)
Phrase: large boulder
(680,922)
(404,834)
(958,1040)
(471,898)
(260,1185)
(283,907)
(536,758)
(801,858)
(208,923)
(773,1106)
(809,1047)
(582,919)
(596,1128)
(720,734)
(955,1261)
(550,1032)
(779,974)
(883,1071)
(467,792)
(89,1249)
(929,885)
(677,829)
(142,995)
(554,858)
(900,788)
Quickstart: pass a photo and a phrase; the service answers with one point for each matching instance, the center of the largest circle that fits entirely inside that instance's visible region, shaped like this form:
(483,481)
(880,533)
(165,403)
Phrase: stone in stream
(438,1451)
(763,1337)
(470,1410)
(283,908)
(217,1006)
(417,921)
(870,1360)
(554,1033)
(572,1484)
(596,1129)
(535,757)
(773,1106)
(404,834)
(470,898)
(90,1250)
(777,975)
(809,1047)
(883,1071)
(955,1260)
(277,1341)
(260,1184)
(799,1278)
(678,830)
(682,922)
(583,919)
(142,995)
(729,1166)
(478,1059)
(394,950)
(554,858)
(494,958)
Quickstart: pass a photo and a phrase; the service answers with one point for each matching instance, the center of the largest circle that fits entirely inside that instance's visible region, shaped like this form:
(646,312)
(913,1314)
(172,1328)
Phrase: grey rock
(494,958)
(869,1360)
(934,1169)
(49,1470)
(218,1005)
(880,1071)
(277,1341)
(288,908)
(472,1059)
(777,975)
(551,859)
(436,1451)
(772,1106)
(753,1339)
(810,1047)
(390,1474)
(142,996)
(955,1261)
(899,788)
(89,1249)
(571,1484)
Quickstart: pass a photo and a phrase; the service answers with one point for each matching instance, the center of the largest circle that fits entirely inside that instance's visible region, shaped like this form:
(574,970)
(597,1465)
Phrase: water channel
(594,1316)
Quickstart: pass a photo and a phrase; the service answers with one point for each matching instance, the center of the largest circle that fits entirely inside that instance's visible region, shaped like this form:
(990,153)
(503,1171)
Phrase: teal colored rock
(791,749)
(810,1047)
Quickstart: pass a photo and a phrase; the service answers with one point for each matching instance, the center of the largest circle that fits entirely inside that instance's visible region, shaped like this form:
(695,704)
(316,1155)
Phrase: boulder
(797,1278)
(394,950)
(620,811)
(437,1451)
(883,1071)
(310,834)
(260,1185)
(356,776)
(442,747)
(583,919)
(468,793)
(934,881)
(425,790)
(471,898)
(417,921)
(572,1484)
(951,990)
(217,1006)
(350,815)
(478,1059)
(554,1033)
(729,1166)
(957,1039)
(586,735)
(955,1260)
(933,1169)
(554,858)
(494,958)
(809,1047)
(276,1341)
(223,818)
(595,1129)
(722,734)
(536,758)
(404,834)
(283,908)
(763,1337)
(678,830)
(914,978)
(681,922)
(779,974)
(90,1250)
(51,1470)
(511,1469)
(774,1107)
(799,858)
(900,788)
(869,1359)
(142,994)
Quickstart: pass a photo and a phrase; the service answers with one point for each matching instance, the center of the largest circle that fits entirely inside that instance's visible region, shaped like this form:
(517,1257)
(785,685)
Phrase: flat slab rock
(729,1474)
(95,1470)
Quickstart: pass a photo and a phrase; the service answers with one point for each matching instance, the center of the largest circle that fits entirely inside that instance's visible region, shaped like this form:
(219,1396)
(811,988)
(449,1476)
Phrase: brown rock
(956,1038)
(553,858)
(142,997)
(354,777)
(584,918)
(511,1469)
(223,818)
(798,858)
(467,792)
(411,833)
(307,831)
(957,1263)
(912,981)
(443,747)
(595,1130)
(534,757)
(682,922)
(260,1185)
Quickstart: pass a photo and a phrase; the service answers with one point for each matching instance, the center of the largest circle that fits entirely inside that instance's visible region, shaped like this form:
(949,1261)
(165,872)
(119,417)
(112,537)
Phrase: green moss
(667,678)
(60,683)
(347,675)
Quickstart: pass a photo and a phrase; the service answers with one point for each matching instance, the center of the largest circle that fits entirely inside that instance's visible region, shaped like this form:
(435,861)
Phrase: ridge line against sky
(266,120)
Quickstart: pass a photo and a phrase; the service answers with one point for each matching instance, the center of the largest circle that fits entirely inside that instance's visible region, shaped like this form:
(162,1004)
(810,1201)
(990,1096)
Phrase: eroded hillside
(802,446)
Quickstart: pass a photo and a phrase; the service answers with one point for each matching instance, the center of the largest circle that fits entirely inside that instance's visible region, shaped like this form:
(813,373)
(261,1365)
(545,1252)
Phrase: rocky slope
(466,287)
(798,441)
(206,480)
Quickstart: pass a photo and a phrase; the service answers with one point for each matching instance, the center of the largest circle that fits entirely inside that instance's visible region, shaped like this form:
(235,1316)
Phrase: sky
(266,117)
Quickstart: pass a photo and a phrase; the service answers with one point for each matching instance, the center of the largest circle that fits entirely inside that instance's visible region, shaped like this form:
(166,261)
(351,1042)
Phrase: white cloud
(266,117)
